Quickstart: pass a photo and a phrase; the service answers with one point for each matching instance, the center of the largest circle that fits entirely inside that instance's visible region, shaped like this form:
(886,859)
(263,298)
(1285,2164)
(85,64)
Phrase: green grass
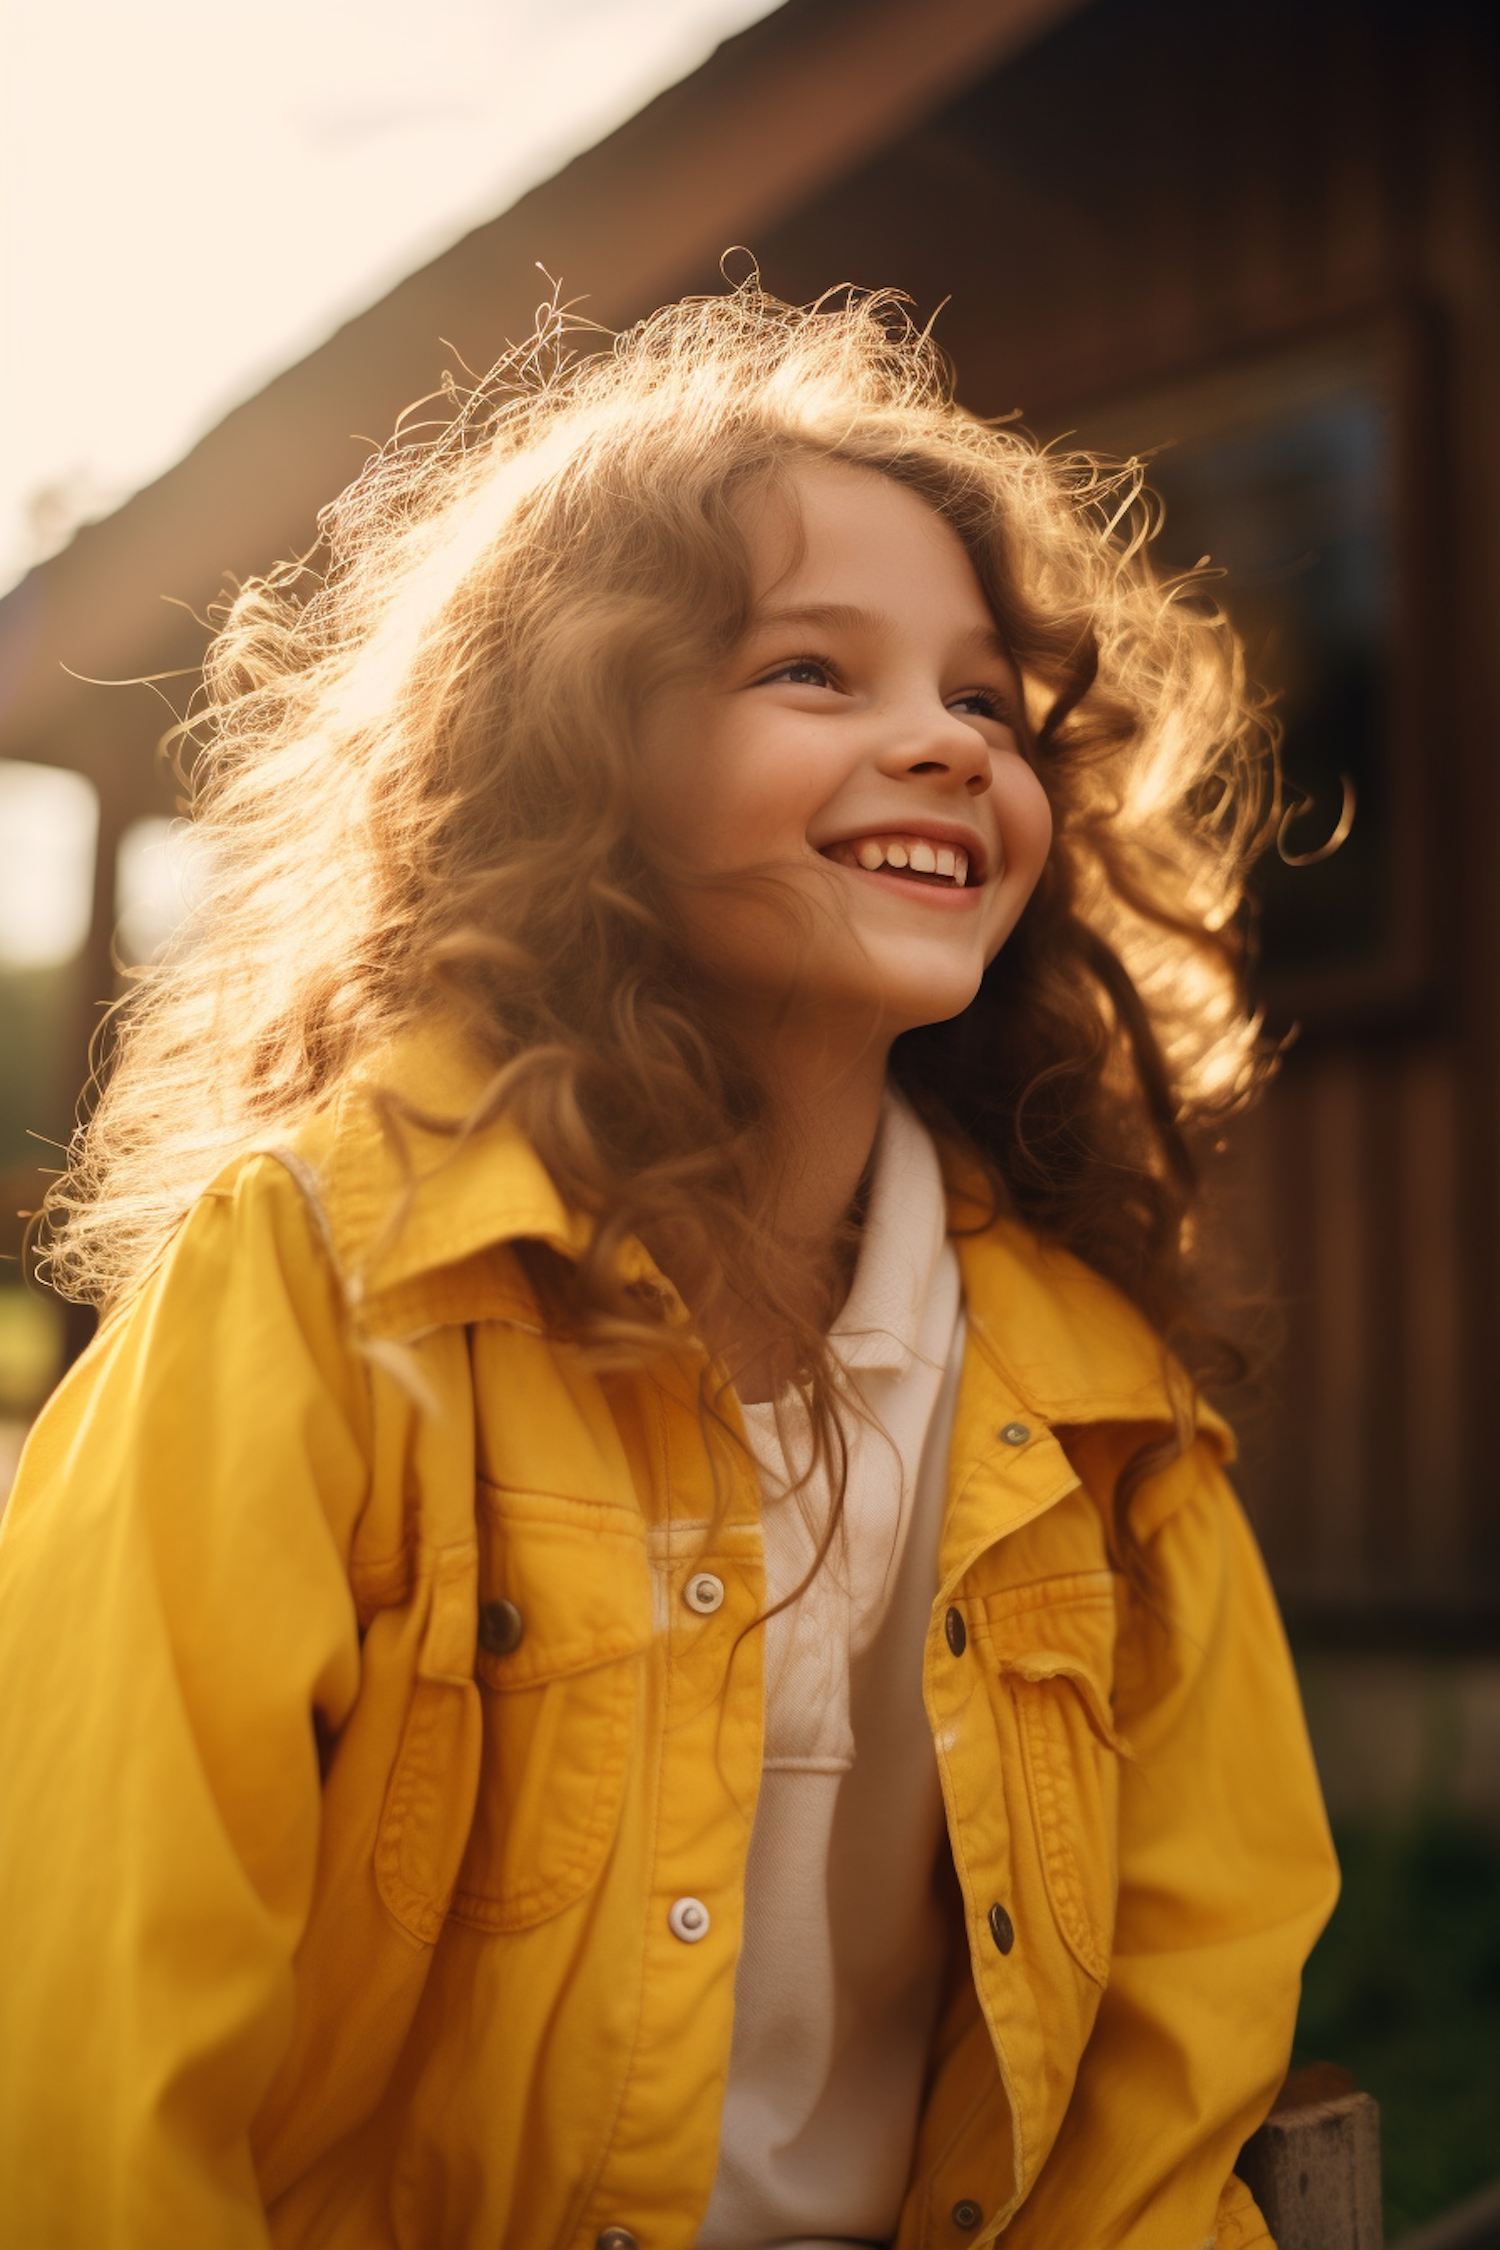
(1404,1989)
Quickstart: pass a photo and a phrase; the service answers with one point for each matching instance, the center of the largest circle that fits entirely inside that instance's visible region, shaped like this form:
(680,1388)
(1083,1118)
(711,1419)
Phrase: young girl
(628,1636)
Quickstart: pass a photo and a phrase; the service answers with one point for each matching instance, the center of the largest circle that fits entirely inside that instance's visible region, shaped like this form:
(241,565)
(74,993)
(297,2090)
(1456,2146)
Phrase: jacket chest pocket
(564,1624)
(1053,1645)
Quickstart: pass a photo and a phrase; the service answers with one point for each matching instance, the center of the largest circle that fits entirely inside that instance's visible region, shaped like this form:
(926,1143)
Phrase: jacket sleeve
(175,1626)
(1227,1875)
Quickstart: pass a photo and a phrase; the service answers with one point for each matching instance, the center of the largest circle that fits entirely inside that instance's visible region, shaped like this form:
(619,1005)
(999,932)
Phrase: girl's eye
(803,671)
(985,703)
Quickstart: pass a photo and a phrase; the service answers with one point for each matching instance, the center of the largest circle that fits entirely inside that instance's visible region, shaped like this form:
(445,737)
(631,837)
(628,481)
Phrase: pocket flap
(576,1574)
(1063,1628)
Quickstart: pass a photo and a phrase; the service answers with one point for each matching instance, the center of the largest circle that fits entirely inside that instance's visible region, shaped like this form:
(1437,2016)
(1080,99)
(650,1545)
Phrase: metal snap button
(688,1920)
(616,2238)
(967,2214)
(501,1627)
(704,1593)
(957,1632)
(1015,1433)
(1002,1928)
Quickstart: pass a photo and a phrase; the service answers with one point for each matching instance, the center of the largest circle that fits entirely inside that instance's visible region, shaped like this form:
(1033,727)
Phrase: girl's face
(860,747)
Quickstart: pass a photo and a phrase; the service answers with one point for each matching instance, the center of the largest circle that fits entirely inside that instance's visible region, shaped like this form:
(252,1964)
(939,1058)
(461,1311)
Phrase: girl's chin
(874,1010)
(908,1004)
(915,991)
(883,983)
(905,983)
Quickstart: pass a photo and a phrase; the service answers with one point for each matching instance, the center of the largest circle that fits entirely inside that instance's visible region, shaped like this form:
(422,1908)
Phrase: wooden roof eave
(775,114)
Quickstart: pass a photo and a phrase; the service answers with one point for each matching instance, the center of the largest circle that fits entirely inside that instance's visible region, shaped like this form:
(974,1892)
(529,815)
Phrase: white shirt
(844,1942)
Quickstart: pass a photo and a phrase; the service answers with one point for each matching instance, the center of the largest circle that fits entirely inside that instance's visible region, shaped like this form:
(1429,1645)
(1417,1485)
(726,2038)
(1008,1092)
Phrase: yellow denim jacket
(334,1915)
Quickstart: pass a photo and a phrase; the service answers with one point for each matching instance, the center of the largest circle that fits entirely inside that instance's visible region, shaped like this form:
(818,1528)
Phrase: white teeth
(946,861)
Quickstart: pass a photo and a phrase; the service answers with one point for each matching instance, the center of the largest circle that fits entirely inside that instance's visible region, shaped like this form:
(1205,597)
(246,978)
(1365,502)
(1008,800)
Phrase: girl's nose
(943,748)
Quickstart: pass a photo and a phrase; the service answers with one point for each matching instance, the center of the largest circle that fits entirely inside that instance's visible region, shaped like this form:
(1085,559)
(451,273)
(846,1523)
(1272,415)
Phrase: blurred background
(1262,239)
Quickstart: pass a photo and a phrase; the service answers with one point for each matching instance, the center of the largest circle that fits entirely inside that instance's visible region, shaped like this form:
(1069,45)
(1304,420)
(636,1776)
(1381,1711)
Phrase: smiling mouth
(916,858)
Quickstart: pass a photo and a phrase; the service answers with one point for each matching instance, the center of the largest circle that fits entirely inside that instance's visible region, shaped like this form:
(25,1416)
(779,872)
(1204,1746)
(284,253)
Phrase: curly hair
(412,778)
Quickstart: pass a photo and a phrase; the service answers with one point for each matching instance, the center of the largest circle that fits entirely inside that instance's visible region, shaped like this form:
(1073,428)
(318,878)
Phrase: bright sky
(193,193)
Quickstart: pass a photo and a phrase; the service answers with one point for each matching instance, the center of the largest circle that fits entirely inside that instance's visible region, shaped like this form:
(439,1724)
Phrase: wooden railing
(1314,2169)
(1314,2166)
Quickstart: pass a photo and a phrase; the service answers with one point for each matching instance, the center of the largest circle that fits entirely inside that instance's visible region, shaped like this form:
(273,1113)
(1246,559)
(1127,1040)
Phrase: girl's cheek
(1025,820)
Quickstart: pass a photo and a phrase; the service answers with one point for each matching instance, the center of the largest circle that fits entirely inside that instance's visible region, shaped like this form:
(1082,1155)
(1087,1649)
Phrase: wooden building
(1271,234)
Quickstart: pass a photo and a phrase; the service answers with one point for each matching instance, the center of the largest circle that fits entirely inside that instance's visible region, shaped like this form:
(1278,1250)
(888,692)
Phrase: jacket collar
(1062,1339)
(412,1209)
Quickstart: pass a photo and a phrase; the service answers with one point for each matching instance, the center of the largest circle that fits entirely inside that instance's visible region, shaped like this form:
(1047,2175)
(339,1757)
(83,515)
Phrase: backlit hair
(413,784)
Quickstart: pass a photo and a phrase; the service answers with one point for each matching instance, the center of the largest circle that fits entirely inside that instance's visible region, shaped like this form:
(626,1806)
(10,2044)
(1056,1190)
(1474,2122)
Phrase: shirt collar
(901,1244)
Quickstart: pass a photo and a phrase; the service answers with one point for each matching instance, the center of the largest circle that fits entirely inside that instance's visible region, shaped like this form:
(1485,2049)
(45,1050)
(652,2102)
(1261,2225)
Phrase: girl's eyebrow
(839,616)
(984,640)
